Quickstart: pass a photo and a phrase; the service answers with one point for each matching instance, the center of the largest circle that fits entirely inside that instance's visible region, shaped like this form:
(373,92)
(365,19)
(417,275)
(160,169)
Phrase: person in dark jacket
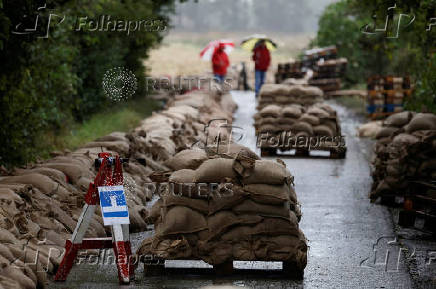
(262,60)
(220,62)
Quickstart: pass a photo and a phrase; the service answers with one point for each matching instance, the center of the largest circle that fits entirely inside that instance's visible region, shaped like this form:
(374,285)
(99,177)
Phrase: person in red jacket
(262,60)
(220,62)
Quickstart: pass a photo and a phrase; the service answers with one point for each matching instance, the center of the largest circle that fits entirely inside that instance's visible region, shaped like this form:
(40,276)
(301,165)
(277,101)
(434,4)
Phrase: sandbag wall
(288,112)
(316,120)
(227,206)
(43,201)
(405,156)
(284,94)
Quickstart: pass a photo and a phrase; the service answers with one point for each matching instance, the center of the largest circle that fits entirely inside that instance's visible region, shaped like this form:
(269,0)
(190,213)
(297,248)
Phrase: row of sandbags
(316,120)
(284,94)
(405,153)
(252,212)
(41,202)
(183,124)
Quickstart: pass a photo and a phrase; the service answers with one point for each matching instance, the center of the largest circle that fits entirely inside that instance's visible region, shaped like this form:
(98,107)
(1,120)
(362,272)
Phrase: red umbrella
(207,52)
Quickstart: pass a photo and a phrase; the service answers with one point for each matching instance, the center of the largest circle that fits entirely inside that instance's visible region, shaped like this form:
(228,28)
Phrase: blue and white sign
(113,205)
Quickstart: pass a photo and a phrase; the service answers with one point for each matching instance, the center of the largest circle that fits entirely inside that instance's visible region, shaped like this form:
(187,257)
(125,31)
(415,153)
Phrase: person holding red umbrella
(262,60)
(220,62)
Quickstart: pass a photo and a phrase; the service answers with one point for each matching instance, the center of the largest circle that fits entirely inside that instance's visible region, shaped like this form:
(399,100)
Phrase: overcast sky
(249,15)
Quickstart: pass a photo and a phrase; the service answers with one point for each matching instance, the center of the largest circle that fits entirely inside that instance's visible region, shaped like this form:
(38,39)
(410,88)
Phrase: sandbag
(195,204)
(318,112)
(182,182)
(310,119)
(268,120)
(179,220)
(121,147)
(323,130)
(44,183)
(216,252)
(186,159)
(301,126)
(269,226)
(422,121)
(251,207)
(231,195)
(72,171)
(267,172)
(271,111)
(274,89)
(405,139)
(271,194)
(223,220)
(398,119)
(386,132)
(292,111)
(54,174)
(272,128)
(233,149)
(16,274)
(215,170)
(155,213)
(287,121)
(370,129)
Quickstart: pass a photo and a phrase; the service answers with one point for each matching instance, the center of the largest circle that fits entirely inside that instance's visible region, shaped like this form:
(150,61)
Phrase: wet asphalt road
(348,236)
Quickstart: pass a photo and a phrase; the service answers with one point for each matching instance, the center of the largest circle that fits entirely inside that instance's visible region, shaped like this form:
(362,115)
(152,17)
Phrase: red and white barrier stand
(108,191)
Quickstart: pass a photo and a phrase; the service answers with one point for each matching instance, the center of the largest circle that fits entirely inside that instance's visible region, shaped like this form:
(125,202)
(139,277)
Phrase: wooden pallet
(421,209)
(305,153)
(394,201)
(410,218)
(289,270)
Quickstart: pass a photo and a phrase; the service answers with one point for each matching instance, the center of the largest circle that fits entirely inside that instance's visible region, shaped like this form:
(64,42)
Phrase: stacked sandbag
(43,200)
(370,129)
(405,154)
(232,206)
(181,124)
(316,120)
(282,94)
(41,204)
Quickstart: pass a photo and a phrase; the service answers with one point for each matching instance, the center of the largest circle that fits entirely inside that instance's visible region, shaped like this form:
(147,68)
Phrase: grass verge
(120,117)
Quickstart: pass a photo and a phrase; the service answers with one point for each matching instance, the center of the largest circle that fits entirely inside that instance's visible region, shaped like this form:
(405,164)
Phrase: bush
(370,54)
(47,84)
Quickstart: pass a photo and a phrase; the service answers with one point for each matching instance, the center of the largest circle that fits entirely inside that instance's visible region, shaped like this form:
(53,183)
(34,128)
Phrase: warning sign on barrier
(113,205)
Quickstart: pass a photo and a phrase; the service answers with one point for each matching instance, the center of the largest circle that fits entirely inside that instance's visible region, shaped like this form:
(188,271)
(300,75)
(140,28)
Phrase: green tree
(46,83)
